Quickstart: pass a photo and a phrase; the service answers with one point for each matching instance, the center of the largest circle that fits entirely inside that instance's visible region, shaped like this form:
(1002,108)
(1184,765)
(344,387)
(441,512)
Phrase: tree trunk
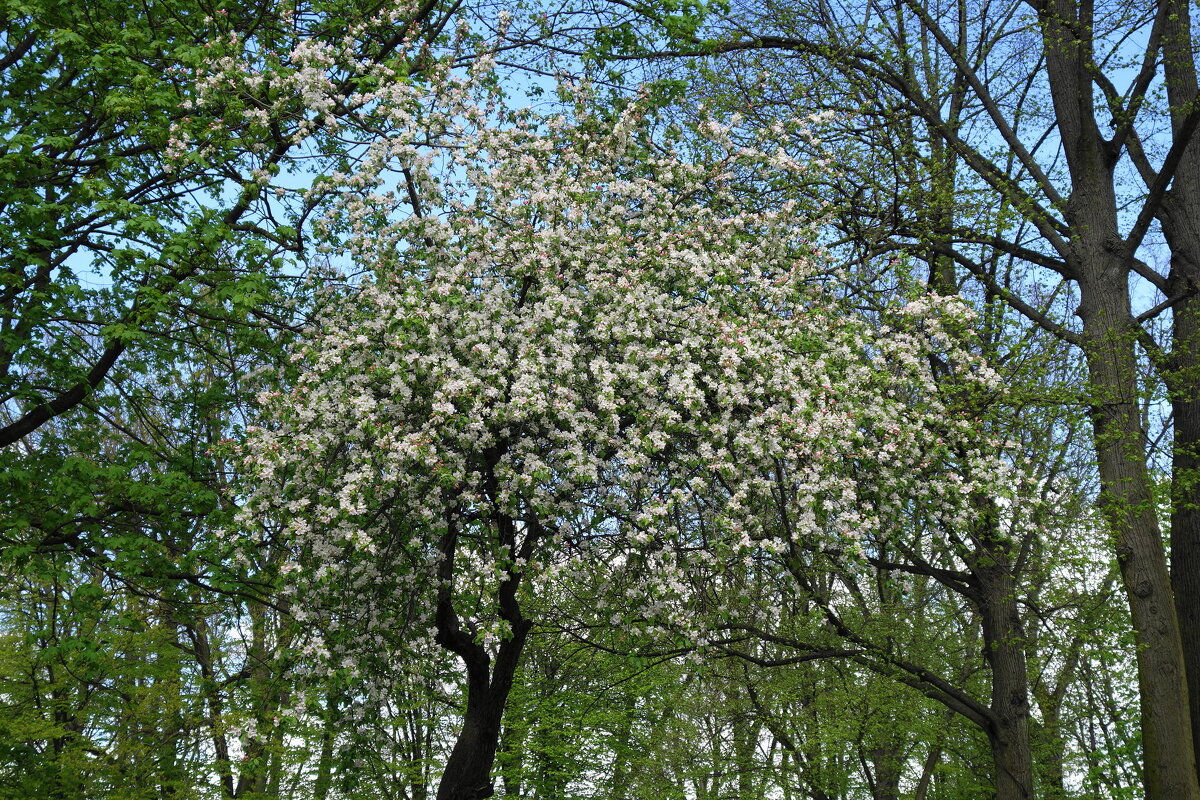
(1012,757)
(198,634)
(622,769)
(324,779)
(928,767)
(1128,506)
(1185,506)
(1051,750)
(1100,259)
(1180,219)
(468,771)
(886,763)
(746,730)
(1004,649)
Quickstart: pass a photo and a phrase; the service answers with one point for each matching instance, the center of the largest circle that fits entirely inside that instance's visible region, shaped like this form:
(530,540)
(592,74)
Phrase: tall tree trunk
(1004,649)
(1101,260)
(622,769)
(1051,752)
(1180,219)
(746,730)
(255,766)
(1128,506)
(1185,505)
(214,705)
(1049,739)
(324,779)
(468,773)
(886,764)
(928,769)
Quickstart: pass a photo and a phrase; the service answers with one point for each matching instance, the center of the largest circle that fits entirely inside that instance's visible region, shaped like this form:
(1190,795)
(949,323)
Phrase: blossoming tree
(582,358)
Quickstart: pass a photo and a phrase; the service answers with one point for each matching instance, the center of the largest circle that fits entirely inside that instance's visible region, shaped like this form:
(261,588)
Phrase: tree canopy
(795,400)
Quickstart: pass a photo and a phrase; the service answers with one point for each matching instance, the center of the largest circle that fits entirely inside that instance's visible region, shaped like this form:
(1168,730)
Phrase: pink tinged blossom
(569,345)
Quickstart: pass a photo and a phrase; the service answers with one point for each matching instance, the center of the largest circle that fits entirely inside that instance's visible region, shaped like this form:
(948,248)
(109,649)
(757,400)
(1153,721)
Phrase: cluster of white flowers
(584,360)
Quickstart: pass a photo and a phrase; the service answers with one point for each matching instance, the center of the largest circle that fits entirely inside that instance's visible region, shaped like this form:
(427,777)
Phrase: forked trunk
(468,772)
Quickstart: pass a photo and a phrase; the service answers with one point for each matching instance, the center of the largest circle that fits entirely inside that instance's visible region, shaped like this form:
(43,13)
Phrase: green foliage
(141,656)
(142,283)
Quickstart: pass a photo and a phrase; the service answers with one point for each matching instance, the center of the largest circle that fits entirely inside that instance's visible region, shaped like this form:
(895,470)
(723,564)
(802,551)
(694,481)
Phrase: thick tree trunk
(1128,506)
(468,772)
(1180,218)
(1004,649)
(1012,757)
(469,769)
(886,763)
(1185,505)
(1100,259)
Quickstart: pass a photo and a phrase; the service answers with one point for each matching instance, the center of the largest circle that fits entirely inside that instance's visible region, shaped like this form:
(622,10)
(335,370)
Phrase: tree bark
(746,729)
(1185,507)
(1180,219)
(468,771)
(886,763)
(324,779)
(1008,734)
(1101,260)
(1004,642)
(1127,503)
(927,771)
